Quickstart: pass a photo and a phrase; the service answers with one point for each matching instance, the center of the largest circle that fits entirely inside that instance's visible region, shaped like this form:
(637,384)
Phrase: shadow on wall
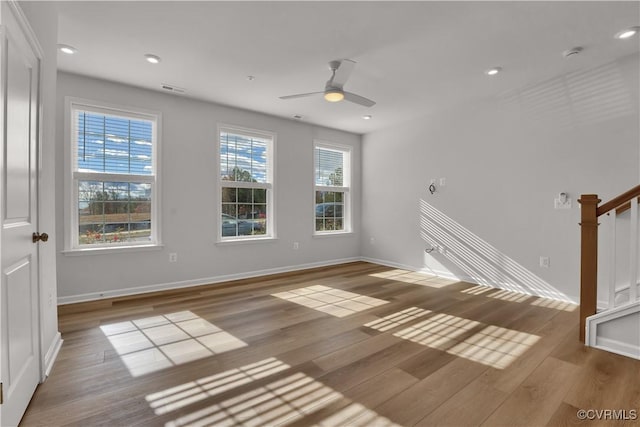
(481,262)
(575,99)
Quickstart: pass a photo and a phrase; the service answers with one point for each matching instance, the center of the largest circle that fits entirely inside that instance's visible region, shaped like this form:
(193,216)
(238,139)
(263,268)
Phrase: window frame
(347,168)
(269,186)
(73,176)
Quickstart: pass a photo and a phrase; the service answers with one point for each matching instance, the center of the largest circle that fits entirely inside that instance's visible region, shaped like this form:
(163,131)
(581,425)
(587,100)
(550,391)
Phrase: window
(113,180)
(245,184)
(332,176)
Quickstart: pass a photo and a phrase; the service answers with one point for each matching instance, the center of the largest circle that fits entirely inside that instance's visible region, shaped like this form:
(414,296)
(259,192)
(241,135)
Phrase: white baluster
(633,252)
(612,217)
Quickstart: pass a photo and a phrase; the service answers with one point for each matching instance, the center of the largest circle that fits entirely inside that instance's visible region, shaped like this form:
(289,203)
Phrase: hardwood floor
(357,344)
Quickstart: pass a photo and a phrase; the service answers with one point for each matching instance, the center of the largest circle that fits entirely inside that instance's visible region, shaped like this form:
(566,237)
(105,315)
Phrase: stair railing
(590,212)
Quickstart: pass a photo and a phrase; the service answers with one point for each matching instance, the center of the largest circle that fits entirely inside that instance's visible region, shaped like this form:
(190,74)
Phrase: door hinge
(1,394)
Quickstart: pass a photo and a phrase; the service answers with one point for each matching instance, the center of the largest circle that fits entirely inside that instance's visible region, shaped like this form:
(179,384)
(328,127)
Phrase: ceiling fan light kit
(333,95)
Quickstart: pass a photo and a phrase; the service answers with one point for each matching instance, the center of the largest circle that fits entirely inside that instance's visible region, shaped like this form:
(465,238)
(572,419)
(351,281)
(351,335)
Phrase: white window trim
(71,240)
(346,188)
(270,186)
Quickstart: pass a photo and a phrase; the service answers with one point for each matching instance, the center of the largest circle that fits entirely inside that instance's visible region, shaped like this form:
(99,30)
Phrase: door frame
(12,6)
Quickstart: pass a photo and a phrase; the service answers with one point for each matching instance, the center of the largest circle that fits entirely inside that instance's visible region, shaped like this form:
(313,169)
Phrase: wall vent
(172,88)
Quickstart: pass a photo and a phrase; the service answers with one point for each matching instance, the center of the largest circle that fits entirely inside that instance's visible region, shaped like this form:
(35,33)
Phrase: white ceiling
(412,57)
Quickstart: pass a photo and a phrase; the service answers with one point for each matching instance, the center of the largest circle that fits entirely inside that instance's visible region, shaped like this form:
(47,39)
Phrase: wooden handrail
(617,202)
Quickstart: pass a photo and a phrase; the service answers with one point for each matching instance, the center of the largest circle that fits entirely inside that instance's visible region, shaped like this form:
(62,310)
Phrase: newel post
(588,258)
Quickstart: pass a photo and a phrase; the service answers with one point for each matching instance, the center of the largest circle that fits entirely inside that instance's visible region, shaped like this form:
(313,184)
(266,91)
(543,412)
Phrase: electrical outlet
(173,257)
(443,181)
(296,246)
(544,261)
(50,299)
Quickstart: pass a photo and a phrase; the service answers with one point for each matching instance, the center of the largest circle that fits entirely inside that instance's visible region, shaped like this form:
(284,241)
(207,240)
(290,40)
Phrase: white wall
(188,205)
(504,160)
(43,19)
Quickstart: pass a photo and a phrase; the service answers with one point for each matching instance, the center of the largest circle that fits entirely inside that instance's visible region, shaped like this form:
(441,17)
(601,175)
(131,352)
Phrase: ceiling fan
(333,90)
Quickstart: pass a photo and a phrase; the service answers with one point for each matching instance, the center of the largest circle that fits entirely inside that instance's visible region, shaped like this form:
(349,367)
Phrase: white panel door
(19,320)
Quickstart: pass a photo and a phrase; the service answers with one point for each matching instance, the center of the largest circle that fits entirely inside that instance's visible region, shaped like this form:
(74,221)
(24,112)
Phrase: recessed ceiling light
(627,33)
(367,117)
(493,71)
(152,59)
(65,48)
(298,117)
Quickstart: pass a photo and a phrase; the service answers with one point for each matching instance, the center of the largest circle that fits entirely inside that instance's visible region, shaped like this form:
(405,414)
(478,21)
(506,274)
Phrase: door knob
(37,236)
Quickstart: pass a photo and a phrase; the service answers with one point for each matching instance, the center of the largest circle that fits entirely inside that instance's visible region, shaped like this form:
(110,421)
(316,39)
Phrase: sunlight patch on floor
(356,415)
(278,403)
(492,345)
(158,342)
(509,296)
(389,273)
(438,282)
(555,304)
(439,331)
(477,290)
(415,278)
(396,319)
(335,302)
(185,394)
(408,277)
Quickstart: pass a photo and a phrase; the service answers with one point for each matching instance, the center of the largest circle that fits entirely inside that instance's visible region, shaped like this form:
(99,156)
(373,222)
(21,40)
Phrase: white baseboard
(51,355)
(618,347)
(94,296)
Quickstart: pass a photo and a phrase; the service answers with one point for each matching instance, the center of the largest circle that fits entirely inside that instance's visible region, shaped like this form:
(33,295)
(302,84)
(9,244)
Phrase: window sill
(333,234)
(113,250)
(245,241)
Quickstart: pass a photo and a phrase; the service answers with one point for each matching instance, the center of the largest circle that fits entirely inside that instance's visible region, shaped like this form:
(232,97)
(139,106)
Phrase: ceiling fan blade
(342,73)
(361,100)
(300,95)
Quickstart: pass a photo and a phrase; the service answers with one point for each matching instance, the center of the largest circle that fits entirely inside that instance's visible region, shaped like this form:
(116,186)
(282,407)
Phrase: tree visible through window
(245,184)
(114,177)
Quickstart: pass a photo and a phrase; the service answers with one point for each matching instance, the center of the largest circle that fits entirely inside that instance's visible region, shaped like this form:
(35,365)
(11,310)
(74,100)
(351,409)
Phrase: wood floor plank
(610,381)
(380,388)
(535,401)
(469,407)
(567,416)
(355,352)
(358,371)
(422,398)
